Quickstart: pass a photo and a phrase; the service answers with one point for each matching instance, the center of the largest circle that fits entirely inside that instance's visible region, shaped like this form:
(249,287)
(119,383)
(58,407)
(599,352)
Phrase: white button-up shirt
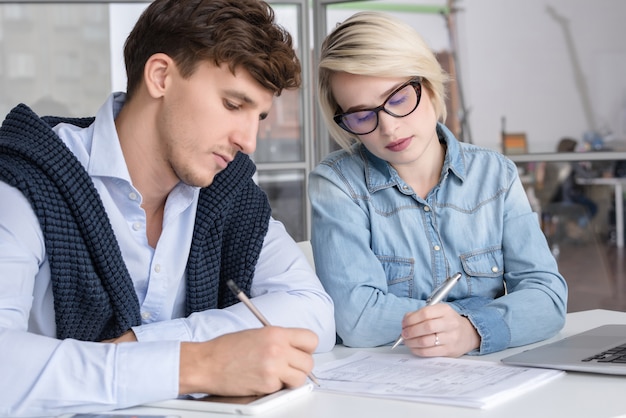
(45,376)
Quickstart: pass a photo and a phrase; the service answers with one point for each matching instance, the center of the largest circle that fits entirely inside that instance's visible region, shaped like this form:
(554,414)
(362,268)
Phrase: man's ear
(157,71)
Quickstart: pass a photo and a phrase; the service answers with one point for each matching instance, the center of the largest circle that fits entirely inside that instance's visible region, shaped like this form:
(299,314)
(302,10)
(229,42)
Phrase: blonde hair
(376,44)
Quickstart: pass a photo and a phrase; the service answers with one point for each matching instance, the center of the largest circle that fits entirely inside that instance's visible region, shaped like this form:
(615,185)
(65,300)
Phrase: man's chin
(199,182)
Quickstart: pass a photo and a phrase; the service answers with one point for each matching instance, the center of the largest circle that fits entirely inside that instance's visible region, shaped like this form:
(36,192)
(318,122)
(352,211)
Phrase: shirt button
(157,268)
(426,209)
(137,226)
(494,269)
(437,248)
(145,315)
(132,196)
(405,187)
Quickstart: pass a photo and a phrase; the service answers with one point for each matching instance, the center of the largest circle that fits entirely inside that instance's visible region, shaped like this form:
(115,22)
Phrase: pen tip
(397,343)
(313,379)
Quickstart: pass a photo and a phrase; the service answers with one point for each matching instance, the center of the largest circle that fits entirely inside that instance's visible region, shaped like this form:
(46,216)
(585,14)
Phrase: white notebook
(440,380)
(239,405)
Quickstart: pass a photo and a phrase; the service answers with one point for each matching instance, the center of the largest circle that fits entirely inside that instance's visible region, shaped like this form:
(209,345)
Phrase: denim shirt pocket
(488,263)
(399,272)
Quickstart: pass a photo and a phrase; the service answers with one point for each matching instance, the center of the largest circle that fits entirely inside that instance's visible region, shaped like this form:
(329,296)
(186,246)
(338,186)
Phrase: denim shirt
(380,249)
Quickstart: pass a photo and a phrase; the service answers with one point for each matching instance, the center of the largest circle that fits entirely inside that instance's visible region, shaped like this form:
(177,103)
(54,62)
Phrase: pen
(437,296)
(246,301)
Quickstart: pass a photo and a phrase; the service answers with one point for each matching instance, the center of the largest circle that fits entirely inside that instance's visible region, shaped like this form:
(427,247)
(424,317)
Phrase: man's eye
(230,105)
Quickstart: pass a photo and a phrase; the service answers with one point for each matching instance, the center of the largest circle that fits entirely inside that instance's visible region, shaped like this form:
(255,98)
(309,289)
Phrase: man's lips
(222,159)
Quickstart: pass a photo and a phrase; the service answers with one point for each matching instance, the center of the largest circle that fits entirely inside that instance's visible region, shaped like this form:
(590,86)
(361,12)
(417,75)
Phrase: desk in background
(618,184)
(569,156)
(574,395)
(591,156)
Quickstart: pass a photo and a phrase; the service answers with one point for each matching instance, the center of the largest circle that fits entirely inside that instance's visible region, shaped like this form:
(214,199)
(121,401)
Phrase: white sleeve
(285,289)
(42,375)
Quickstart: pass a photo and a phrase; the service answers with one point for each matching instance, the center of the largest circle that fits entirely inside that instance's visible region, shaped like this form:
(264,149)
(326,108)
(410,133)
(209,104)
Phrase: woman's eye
(365,116)
(397,99)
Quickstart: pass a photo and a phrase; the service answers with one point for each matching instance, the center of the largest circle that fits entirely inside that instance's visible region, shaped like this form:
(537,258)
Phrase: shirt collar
(107,159)
(379,174)
(454,161)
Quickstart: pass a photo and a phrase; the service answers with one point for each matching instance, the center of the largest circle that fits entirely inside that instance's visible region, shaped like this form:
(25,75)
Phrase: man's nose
(245,137)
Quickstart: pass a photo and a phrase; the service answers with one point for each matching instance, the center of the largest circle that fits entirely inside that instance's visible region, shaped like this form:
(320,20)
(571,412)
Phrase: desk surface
(574,395)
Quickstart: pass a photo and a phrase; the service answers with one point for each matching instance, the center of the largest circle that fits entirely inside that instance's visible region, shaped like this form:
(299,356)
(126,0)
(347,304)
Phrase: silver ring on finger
(436,339)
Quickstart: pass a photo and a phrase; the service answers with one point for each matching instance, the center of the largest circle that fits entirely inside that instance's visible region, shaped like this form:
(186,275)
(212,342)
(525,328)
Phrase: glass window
(55,57)
(286,192)
(64,59)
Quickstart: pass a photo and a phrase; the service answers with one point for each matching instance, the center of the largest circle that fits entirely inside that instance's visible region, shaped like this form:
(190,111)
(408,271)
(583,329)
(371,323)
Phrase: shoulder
(343,158)
(19,226)
(356,162)
(484,161)
(475,152)
(477,163)
(346,168)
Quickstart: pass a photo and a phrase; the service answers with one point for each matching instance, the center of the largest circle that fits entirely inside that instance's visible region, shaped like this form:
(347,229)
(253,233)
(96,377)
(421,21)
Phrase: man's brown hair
(240,33)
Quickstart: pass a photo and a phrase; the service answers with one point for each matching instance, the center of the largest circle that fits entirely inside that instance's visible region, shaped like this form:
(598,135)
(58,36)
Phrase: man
(117,234)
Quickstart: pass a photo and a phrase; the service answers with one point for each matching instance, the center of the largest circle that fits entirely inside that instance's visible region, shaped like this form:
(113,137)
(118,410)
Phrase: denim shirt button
(437,248)
(494,269)
(426,209)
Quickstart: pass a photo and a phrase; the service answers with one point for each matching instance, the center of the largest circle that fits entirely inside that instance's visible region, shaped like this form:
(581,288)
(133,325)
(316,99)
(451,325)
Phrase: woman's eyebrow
(384,95)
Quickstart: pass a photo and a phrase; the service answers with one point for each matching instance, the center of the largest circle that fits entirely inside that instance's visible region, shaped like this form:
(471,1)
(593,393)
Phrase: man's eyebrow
(241,96)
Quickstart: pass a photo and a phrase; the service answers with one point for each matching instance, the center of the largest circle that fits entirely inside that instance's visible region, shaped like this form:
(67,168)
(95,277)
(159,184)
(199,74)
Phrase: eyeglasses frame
(416,82)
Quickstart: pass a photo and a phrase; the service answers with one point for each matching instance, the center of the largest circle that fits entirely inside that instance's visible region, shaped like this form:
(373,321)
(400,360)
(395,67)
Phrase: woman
(404,205)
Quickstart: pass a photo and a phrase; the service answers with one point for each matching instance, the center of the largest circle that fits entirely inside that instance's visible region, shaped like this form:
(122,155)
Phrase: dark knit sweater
(94,297)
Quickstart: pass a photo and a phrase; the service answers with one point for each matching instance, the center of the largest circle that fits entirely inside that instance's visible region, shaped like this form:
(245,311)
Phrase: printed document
(441,380)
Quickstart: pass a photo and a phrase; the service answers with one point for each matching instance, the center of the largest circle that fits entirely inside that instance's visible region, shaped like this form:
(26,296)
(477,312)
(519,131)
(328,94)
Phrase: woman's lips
(399,145)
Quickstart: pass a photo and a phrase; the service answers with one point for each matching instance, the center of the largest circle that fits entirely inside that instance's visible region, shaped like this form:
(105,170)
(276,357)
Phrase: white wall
(515,63)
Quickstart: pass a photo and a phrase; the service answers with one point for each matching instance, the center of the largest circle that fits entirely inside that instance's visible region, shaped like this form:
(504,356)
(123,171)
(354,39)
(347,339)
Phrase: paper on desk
(441,380)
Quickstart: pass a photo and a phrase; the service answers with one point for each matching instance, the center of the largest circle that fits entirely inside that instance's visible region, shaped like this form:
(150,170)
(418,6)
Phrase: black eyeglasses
(402,102)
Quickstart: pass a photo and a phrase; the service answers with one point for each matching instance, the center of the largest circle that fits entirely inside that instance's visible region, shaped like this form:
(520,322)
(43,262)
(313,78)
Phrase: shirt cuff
(147,372)
(172,330)
(493,330)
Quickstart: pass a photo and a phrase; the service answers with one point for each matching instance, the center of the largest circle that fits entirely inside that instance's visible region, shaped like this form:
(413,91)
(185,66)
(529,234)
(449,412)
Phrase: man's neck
(148,169)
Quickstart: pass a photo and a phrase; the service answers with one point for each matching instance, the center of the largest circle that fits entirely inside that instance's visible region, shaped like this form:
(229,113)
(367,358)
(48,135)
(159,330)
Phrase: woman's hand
(439,331)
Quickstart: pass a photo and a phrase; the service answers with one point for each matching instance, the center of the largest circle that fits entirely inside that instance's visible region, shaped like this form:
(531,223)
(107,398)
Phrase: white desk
(574,395)
(618,184)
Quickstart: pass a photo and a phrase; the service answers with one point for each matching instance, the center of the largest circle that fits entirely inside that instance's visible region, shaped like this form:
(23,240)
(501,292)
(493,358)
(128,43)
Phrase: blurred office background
(541,70)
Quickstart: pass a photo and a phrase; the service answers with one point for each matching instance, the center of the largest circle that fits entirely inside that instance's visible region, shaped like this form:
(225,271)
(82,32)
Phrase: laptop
(593,351)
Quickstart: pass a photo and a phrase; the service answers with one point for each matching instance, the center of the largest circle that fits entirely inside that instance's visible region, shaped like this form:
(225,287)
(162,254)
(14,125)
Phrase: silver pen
(246,301)
(437,296)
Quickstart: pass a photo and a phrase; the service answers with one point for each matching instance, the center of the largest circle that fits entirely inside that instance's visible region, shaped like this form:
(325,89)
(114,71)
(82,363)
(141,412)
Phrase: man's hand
(439,331)
(250,362)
